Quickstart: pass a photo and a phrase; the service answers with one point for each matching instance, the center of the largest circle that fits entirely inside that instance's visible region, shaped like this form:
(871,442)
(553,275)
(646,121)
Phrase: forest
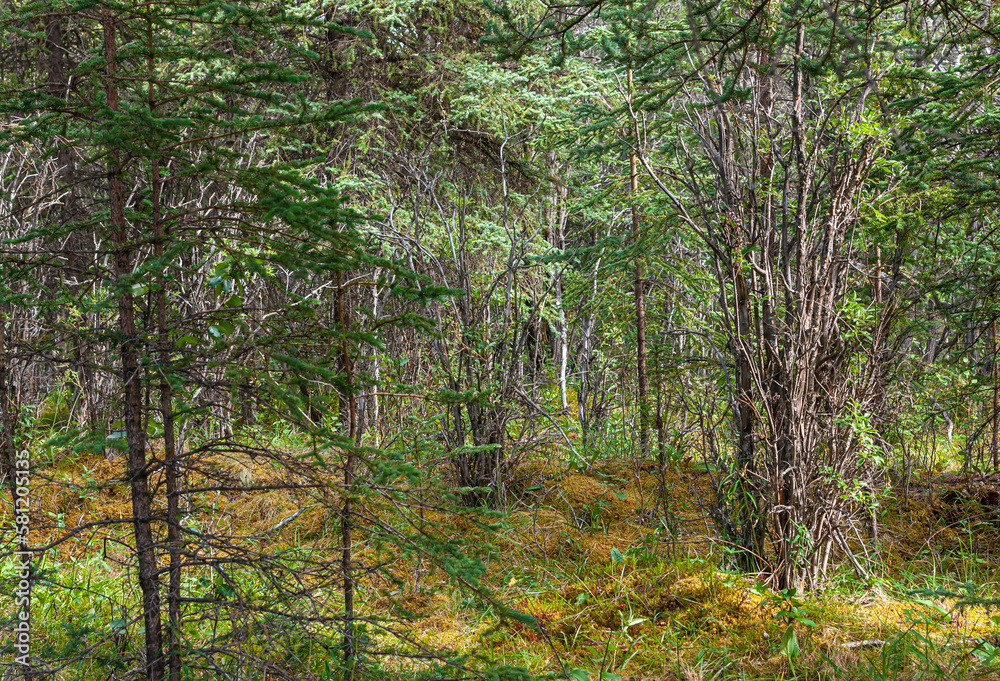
(499,340)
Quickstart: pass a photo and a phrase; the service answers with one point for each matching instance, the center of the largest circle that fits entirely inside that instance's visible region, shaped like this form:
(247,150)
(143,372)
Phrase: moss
(53,412)
(689,619)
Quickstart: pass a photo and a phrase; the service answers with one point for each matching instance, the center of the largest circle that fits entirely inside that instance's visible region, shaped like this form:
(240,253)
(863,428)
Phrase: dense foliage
(289,291)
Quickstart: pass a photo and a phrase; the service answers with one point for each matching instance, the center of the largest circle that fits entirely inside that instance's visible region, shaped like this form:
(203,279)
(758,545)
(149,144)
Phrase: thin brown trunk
(661,431)
(788,567)
(642,382)
(350,651)
(166,408)
(132,385)
(745,423)
(74,245)
(169,453)
(995,444)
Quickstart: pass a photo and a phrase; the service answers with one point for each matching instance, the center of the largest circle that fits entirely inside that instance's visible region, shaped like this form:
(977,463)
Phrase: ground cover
(614,582)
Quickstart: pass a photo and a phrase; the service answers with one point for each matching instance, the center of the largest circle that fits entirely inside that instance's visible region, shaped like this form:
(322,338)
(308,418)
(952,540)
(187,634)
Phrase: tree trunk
(166,405)
(346,557)
(745,417)
(131,377)
(642,383)
(560,214)
(995,444)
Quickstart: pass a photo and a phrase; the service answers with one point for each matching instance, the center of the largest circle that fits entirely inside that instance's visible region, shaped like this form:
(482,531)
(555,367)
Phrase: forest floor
(620,587)
(621,590)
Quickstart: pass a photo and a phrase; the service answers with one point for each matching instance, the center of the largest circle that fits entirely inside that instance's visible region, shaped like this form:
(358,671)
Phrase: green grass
(615,594)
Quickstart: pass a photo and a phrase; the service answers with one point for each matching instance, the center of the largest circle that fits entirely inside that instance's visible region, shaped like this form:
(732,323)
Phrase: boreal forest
(500,340)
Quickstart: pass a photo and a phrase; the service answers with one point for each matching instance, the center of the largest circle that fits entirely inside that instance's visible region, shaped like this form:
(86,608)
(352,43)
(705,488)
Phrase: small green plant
(584,675)
(792,611)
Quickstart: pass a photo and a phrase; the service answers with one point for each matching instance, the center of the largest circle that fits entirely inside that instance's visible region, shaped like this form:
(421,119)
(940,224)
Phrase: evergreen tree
(216,264)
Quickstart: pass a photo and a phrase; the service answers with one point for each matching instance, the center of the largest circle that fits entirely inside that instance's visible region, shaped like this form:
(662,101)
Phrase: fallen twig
(870,643)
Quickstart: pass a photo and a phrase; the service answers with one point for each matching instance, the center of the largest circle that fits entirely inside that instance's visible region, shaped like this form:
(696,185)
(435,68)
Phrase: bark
(72,248)
(745,417)
(586,391)
(788,475)
(166,406)
(995,443)
(558,219)
(350,644)
(778,238)
(642,381)
(131,378)
(248,416)
(376,371)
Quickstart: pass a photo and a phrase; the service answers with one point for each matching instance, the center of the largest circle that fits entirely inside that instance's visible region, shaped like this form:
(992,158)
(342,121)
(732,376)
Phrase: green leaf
(930,604)
(579,674)
(617,556)
(987,653)
(789,643)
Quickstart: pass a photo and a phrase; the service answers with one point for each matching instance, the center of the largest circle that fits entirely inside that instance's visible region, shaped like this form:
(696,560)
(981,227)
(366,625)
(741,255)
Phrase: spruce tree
(218,267)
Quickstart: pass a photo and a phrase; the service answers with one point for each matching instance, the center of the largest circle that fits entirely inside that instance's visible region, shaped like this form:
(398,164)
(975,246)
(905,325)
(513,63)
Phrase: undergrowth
(611,584)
